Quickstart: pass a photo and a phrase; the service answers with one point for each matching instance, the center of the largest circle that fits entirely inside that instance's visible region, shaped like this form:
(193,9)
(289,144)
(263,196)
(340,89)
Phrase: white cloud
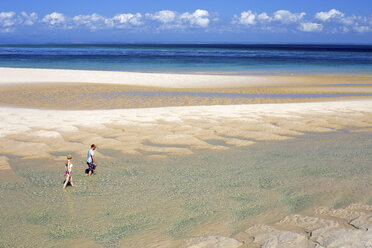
(7,30)
(285,16)
(362,28)
(55,19)
(339,22)
(163,16)
(8,21)
(200,18)
(251,18)
(123,20)
(310,27)
(332,21)
(29,19)
(263,17)
(246,18)
(174,20)
(330,15)
(93,21)
(350,20)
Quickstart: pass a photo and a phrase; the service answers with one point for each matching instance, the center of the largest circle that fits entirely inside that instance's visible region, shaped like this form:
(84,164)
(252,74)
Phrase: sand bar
(25,75)
(91,90)
(22,75)
(156,131)
(71,120)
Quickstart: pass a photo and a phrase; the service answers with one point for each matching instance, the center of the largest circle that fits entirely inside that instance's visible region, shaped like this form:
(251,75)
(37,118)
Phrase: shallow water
(99,96)
(111,95)
(138,202)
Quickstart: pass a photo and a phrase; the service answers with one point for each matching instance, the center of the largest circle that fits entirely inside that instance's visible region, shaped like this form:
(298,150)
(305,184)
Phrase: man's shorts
(91,166)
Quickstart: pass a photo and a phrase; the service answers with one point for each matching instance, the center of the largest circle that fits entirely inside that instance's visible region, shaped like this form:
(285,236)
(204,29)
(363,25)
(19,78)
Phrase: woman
(68,170)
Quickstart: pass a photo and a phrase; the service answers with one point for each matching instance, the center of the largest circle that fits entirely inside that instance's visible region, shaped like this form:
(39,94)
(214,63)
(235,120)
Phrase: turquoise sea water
(192,58)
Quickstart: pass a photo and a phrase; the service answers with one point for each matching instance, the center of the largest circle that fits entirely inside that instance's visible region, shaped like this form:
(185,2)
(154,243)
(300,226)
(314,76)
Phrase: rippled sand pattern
(327,227)
(164,131)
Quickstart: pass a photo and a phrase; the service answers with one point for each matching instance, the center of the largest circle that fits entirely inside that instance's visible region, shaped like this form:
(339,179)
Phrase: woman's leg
(71,181)
(66,181)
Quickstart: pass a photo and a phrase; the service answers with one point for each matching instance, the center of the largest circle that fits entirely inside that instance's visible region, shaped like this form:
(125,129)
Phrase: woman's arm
(68,167)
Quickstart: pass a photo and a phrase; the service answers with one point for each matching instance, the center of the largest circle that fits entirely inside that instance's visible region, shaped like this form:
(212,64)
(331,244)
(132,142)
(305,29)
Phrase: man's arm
(94,161)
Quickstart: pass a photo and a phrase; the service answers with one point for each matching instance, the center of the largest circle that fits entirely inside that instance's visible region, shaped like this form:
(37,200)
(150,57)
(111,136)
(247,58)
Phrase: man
(92,164)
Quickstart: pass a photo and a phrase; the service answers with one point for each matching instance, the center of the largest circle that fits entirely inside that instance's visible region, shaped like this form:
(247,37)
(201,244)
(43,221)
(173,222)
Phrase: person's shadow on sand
(68,184)
(87,171)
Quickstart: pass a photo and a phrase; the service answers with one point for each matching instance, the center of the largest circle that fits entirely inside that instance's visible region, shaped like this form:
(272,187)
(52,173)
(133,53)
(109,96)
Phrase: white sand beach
(25,75)
(167,80)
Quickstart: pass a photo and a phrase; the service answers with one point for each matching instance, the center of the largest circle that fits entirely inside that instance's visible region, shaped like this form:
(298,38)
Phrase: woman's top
(68,167)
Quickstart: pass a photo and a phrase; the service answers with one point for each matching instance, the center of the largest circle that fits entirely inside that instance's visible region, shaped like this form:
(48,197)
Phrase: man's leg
(90,169)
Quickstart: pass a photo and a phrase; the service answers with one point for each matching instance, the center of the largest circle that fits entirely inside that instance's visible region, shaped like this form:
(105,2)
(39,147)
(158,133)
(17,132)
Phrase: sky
(186,21)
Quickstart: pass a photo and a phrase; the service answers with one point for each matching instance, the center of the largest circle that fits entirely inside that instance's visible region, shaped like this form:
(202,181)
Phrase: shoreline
(214,73)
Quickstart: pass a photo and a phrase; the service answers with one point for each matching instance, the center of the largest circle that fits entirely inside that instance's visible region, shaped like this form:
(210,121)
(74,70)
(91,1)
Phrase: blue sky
(41,21)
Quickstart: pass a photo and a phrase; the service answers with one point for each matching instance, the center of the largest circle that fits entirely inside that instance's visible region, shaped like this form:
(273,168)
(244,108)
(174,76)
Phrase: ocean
(193,58)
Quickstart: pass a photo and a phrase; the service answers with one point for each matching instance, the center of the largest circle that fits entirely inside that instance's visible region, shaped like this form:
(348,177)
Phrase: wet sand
(66,89)
(233,174)
(108,96)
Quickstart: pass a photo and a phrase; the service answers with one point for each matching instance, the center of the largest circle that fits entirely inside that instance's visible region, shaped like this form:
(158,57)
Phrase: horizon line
(186,43)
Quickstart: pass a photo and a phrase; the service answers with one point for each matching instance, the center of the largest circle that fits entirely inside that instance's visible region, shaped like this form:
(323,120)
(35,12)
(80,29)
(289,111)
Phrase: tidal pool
(140,202)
